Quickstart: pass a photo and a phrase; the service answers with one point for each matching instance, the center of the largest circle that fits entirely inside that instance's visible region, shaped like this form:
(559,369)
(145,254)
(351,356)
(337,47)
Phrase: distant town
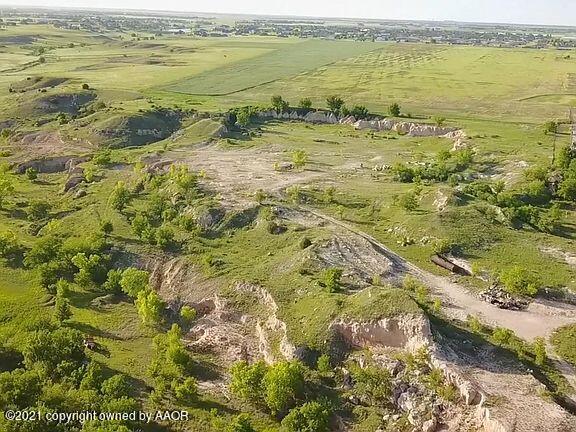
(150,25)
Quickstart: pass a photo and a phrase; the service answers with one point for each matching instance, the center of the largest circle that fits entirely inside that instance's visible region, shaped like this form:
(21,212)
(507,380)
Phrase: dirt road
(540,319)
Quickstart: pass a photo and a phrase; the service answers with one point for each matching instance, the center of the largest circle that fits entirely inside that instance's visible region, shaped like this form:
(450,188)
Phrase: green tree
(247,380)
(134,280)
(47,349)
(335,104)
(439,121)
(299,158)
(170,362)
(91,269)
(394,110)
(149,306)
(310,417)
(185,391)
(305,103)
(113,281)
(116,387)
(120,196)
(279,104)
(62,310)
(283,385)
(244,116)
(331,278)
(567,189)
(93,378)
(359,112)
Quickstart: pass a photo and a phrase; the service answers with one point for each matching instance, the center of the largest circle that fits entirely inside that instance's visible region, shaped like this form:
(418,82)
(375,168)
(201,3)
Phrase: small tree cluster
(277,387)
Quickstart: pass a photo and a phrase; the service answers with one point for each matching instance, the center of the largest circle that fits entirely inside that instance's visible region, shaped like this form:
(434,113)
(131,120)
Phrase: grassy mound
(67,103)
(137,129)
(36,83)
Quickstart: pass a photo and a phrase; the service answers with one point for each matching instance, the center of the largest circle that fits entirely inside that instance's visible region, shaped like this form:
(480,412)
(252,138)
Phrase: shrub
(120,196)
(103,157)
(394,110)
(372,384)
(305,243)
(323,364)
(331,279)
(31,173)
(408,201)
(502,336)
(299,158)
(403,173)
(474,324)
(186,391)
(517,280)
(164,237)
(188,314)
(38,210)
(310,417)
(359,111)
(241,423)
(305,103)
(539,347)
(567,189)
(10,249)
(439,121)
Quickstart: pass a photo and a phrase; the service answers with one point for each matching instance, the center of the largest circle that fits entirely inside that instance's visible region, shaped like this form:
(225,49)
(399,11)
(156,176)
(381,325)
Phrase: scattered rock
(500,298)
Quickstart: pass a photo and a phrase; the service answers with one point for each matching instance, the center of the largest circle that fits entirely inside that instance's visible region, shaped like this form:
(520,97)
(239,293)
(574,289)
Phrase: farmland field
(278,62)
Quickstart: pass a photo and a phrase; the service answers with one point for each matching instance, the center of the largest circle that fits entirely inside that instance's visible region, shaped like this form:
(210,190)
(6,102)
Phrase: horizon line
(247,14)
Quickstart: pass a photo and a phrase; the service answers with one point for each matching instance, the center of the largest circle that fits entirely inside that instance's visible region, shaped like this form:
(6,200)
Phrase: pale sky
(559,12)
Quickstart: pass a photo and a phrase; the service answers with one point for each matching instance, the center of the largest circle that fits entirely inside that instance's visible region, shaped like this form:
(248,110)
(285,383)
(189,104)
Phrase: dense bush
(518,280)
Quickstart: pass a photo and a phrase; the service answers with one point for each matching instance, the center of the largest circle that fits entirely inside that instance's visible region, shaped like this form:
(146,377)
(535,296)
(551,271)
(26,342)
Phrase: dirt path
(540,319)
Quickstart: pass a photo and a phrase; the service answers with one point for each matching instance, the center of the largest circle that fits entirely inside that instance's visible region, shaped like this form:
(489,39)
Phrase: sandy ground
(238,174)
(48,144)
